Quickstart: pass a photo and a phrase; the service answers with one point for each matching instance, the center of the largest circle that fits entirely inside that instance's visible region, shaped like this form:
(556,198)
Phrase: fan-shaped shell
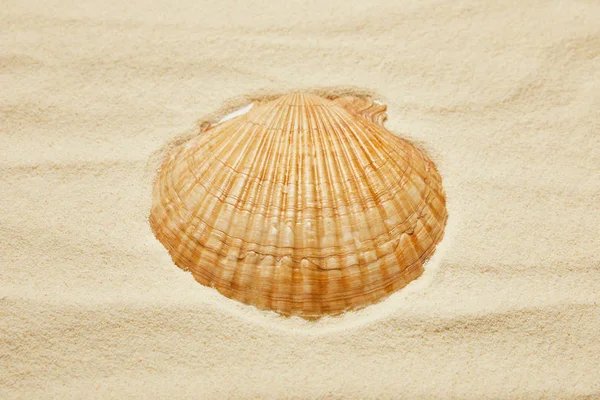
(304,206)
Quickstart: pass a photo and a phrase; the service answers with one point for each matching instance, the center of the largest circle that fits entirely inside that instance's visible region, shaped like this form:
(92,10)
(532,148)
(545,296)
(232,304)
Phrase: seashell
(303,205)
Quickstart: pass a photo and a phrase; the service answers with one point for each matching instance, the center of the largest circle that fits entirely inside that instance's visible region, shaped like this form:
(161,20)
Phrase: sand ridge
(502,95)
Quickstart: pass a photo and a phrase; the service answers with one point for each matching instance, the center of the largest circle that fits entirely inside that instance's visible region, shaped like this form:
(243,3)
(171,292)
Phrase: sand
(503,95)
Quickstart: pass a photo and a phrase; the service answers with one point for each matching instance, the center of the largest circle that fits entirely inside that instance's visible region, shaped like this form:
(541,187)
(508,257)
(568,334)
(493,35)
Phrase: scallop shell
(304,205)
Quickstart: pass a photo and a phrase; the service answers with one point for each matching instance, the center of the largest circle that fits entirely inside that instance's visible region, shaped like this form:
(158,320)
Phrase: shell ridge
(413,208)
(273,212)
(181,248)
(222,145)
(435,218)
(247,150)
(263,162)
(251,177)
(212,227)
(336,198)
(359,220)
(323,190)
(414,204)
(352,156)
(373,193)
(249,189)
(312,284)
(328,208)
(349,148)
(240,145)
(399,190)
(220,190)
(385,137)
(282,256)
(333,169)
(297,212)
(280,298)
(322,152)
(242,136)
(383,268)
(365,132)
(225,186)
(294,172)
(335,175)
(374,142)
(352,152)
(304,179)
(224,234)
(424,211)
(281,210)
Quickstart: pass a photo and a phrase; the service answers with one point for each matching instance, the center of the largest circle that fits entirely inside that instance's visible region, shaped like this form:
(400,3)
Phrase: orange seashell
(304,205)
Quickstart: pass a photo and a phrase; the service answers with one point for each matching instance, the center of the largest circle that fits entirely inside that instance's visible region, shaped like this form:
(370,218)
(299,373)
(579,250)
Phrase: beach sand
(503,95)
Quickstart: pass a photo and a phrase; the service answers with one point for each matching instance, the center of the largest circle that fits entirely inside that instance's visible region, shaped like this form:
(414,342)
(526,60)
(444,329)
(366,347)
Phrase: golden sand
(503,95)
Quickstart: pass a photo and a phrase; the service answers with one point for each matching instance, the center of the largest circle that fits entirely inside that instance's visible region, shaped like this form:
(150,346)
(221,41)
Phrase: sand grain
(503,95)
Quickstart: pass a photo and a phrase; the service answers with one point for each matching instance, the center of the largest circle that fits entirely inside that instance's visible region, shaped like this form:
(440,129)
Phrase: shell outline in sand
(304,205)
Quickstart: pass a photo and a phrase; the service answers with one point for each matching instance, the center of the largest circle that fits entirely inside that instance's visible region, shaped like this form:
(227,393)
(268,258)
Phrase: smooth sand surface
(503,95)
